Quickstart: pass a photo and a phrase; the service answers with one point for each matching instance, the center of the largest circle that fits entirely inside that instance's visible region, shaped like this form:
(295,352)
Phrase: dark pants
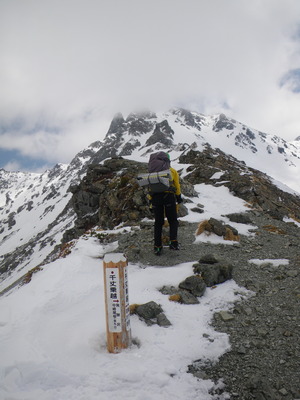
(164,204)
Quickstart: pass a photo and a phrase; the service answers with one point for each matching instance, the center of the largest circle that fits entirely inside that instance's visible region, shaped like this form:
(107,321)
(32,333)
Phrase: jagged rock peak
(56,170)
(95,145)
(117,124)
(297,139)
(223,123)
(193,120)
(136,123)
(186,115)
(163,134)
(144,114)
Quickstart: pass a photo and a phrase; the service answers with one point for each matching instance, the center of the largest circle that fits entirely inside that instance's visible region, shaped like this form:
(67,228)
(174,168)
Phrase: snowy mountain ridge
(61,223)
(36,209)
(35,212)
(178,130)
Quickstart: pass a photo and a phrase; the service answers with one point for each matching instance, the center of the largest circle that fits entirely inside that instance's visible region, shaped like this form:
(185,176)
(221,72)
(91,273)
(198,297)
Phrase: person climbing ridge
(164,203)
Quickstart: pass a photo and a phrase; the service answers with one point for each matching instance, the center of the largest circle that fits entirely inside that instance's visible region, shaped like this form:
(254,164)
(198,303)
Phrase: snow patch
(114,258)
(217,175)
(53,334)
(274,262)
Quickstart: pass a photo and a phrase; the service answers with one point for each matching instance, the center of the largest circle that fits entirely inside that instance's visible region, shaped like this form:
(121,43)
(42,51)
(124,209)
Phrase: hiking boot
(173,245)
(158,250)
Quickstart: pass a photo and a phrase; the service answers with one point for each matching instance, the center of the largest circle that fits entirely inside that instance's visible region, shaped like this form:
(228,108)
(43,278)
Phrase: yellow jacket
(175,182)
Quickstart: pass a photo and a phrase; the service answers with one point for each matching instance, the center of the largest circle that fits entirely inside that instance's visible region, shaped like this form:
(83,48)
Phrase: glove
(179,198)
(149,200)
(150,203)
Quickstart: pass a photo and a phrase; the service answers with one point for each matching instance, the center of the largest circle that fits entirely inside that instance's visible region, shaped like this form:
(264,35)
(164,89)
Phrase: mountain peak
(162,134)
(145,131)
(142,114)
(223,122)
(117,124)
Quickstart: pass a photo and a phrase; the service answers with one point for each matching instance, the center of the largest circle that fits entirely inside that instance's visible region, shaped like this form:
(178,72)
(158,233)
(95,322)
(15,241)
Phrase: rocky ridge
(109,195)
(47,198)
(264,329)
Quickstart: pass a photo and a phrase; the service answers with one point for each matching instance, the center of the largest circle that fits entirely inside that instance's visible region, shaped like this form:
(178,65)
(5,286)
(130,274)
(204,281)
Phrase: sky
(67,66)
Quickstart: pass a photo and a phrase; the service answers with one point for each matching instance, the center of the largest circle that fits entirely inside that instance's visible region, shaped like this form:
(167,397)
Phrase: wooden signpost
(118,330)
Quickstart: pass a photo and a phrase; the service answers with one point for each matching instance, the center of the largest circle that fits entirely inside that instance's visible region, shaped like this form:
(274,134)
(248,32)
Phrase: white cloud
(12,166)
(59,142)
(62,58)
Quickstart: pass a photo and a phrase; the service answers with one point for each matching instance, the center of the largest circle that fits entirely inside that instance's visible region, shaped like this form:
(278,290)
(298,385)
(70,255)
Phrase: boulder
(194,284)
(214,272)
(197,210)
(219,228)
(179,295)
(185,297)
(148,310)
(152,313)
(240,218)
(163,321)
(209,259)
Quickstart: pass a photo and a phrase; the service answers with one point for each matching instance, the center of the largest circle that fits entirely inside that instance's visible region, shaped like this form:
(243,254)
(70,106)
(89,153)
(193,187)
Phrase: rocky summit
(256,244)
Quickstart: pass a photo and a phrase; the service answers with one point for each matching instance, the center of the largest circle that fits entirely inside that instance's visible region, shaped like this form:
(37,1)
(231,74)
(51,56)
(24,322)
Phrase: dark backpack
(159,177)
(158,162)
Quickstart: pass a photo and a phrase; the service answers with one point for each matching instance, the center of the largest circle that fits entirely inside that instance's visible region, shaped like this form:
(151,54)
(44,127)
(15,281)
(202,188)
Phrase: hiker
(164,203)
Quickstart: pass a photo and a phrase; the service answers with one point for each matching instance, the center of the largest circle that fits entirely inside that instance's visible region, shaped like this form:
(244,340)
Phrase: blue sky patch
(13,160)
(292,80)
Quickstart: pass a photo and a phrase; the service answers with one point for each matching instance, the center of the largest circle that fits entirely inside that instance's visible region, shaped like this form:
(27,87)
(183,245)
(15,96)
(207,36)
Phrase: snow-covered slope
(35,212)
(53,335)
(52,331)
(32,202)
(35,209)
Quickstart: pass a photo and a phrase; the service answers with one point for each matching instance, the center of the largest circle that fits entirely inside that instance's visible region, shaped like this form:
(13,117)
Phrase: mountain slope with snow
(36,209)
(178,130)
(52,330)
(53,338)
(35,212)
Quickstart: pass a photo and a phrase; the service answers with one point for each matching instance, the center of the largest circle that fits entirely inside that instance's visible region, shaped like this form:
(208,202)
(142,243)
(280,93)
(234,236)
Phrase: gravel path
(264,361)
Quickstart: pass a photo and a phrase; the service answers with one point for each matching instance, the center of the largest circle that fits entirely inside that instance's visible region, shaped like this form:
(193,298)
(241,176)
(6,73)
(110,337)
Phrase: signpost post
(118,330)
